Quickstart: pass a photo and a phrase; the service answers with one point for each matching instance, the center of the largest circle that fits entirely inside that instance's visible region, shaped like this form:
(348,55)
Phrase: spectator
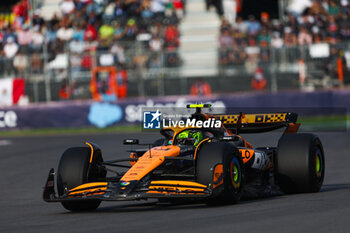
(276,40)
(179,8)
(38,39)
(264,38)
(106,31)
(10,50)
(38,21)
(229,7)
(118,31)
(289,38)
(119,11)
(241,25)
(65,90)
(316,35)
(65,33)
(36,63)
(54,22)
(93,8)
(158,8)
(20,63)
(78,32)
(90,33)
(304,37)
(332,27)
(253,26)
(75,61)
(333,9)
(108,13)
(154,63)
(9,33)
(87,60)
(24,38)
(130,30)
(225,26)
(146,11)
(292,23)
(132,7)
(144,36)
(67,7)
(156,44)
(97,23)
(51,33)
(172,34)
(345,32)
(265,21)
(118,52)
(226,40)
(200,88)
(76,46)
(258,82)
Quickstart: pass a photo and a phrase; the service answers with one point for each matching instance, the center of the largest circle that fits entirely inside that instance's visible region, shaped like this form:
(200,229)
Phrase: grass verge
(308,123)
(71,131)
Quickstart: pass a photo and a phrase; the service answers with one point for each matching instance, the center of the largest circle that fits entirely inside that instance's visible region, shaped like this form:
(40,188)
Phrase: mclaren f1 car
(213,165)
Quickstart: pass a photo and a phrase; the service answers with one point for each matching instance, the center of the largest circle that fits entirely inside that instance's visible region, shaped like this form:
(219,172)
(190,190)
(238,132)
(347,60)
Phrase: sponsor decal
(8,119)
(261,160)
(104,114)
(246,154)
(124,183)
(267,118)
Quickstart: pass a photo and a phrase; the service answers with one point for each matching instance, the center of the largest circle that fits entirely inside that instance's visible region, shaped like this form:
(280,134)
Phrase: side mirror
(131,142)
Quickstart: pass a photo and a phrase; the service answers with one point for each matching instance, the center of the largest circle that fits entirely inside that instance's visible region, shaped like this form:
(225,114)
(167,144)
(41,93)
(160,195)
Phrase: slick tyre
(220,166)
(300,163)
(72,171)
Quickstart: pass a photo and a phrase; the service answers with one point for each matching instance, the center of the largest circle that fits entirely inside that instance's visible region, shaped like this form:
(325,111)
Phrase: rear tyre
(73,170)
(300,164)
(228,185)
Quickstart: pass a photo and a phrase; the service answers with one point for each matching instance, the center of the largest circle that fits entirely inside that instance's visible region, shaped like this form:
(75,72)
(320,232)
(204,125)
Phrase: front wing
(125,191)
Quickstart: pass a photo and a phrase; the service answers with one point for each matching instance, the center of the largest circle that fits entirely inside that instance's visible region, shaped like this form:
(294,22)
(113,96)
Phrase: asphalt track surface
(25,162)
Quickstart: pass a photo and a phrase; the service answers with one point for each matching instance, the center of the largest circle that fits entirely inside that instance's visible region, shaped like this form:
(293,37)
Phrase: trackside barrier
(87,113)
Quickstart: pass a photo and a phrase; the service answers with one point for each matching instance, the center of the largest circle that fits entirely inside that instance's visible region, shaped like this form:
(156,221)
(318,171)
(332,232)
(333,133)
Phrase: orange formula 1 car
(214,165)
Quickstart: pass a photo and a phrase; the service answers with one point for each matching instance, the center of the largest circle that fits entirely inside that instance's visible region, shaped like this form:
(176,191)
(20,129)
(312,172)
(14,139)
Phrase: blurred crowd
(245,42)
(88,28)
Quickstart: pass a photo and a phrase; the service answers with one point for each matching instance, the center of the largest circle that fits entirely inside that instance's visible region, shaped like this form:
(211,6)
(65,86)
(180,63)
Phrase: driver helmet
(192,134)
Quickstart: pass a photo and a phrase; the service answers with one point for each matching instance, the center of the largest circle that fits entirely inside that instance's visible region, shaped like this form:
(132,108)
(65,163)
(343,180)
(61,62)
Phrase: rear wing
(257,122)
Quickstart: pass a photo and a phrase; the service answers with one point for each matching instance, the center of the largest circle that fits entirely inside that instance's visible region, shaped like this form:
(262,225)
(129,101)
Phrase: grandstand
(162,47)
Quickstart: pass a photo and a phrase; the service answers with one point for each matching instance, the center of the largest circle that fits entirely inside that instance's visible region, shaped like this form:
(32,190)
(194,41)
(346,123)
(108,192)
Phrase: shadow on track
(334,187)
(155,205)
(169,206)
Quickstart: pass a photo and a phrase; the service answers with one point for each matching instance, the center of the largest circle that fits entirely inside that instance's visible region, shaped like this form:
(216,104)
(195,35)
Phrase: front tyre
(75,169)
(220,166)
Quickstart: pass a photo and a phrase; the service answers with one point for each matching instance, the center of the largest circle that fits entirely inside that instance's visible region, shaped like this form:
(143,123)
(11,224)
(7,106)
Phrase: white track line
(5,142)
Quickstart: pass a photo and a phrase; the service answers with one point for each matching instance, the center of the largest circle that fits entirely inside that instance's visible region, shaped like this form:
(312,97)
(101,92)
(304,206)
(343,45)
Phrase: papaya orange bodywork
(149,161)
(88,188)
(246,154)
(195,153)
(92,151)
(218,175)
